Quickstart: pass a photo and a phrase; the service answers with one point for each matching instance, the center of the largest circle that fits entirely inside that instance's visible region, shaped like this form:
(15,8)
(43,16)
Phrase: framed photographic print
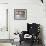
(20,14)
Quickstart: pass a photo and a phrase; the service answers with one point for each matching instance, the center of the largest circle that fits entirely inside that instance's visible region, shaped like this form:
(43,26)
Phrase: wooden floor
(27,44)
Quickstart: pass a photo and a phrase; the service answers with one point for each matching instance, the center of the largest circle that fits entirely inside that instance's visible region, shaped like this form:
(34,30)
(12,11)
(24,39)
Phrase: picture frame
(20,14)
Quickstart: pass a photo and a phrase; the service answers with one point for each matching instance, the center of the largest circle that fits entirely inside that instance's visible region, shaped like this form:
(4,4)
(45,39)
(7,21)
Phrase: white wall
(3,21)
(3,1)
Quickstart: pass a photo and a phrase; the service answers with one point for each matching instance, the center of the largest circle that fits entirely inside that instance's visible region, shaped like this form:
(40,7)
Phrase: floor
(27,44)
(5,44)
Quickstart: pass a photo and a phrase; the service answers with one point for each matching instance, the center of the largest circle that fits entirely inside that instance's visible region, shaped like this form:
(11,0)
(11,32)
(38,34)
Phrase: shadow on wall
(41,34)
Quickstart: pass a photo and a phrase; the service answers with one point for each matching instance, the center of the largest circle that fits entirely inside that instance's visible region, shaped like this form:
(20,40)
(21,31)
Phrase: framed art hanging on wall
(20,14)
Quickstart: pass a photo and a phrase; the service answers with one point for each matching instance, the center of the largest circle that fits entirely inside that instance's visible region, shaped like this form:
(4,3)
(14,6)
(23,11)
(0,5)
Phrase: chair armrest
(24,32)
(22,35)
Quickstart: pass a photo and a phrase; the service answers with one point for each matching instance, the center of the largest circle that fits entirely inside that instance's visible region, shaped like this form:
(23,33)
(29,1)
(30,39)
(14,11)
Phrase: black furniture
(33,30)
(42,1)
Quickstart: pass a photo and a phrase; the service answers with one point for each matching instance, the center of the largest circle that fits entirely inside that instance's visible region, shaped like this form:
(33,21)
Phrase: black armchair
(33,30)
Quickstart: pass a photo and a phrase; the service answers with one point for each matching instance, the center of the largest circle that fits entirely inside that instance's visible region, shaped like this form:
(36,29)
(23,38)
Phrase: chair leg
(20,42)
(32,42)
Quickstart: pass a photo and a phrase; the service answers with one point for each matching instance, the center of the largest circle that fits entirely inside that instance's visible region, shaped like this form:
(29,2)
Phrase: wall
(3,21)
(3,24)
(3,1)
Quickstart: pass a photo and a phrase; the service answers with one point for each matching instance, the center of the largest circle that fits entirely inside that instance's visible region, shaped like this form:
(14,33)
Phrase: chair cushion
(27,36)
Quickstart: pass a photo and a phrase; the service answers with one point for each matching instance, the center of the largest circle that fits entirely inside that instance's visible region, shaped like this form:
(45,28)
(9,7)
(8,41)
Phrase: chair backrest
(33,28)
